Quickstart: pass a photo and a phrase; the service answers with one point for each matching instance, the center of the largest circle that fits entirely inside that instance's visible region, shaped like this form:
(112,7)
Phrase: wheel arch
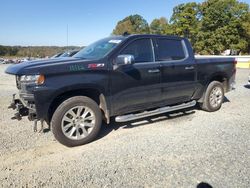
(220,77)
(95,94)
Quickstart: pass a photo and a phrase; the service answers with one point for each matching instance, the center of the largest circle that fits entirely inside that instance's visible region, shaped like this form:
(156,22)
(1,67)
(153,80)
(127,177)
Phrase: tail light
(235,62)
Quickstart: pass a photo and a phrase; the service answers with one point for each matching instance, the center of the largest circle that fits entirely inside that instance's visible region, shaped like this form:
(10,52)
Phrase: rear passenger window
(141,50)
(170,50)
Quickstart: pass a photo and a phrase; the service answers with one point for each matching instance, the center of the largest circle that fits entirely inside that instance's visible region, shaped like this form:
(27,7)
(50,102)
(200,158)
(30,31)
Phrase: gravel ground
(170,150)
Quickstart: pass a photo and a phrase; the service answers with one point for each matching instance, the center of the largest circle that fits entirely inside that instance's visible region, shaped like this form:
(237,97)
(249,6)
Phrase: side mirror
(124,60)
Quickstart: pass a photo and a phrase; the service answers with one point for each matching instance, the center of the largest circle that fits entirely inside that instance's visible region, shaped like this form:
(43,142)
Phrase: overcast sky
(44,22)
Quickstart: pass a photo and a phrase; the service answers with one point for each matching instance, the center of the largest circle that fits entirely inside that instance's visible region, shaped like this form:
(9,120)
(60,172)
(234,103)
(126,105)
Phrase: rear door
(178,70)
(136,86)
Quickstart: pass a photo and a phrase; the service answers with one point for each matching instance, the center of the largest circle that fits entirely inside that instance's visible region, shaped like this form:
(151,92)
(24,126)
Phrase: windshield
(98,49)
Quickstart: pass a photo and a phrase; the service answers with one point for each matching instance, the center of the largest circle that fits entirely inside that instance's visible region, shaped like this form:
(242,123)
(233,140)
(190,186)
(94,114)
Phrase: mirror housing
(124,60)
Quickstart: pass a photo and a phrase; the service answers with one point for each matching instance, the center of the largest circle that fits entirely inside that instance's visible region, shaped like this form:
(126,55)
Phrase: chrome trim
(131,117)
(189,68)
(153,49)
(154,71)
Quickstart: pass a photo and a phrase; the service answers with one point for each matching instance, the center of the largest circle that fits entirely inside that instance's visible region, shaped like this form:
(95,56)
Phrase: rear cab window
(170,49)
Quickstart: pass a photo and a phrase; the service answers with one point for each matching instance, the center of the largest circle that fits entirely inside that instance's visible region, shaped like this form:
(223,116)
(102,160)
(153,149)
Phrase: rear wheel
(213,97)
(76,121)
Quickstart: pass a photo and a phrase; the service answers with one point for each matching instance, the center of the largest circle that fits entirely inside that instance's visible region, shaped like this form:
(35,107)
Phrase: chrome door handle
(189,68)
(154,71)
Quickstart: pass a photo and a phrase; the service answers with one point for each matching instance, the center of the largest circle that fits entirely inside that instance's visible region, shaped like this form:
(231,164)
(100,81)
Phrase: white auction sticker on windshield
(115,41)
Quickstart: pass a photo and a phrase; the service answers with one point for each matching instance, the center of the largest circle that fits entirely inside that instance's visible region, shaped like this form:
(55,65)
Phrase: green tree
(160,26)
(185,20)
(246,32)
(3,50)
(8,50)
(134,24)
(223,26)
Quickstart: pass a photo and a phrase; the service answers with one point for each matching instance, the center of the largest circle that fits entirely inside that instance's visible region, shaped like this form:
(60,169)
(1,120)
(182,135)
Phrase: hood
(47,66)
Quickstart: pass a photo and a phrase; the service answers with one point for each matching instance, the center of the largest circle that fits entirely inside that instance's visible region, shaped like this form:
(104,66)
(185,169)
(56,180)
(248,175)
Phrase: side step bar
(165,109)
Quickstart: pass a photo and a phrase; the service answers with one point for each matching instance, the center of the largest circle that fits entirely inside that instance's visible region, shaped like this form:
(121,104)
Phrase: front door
(136,86)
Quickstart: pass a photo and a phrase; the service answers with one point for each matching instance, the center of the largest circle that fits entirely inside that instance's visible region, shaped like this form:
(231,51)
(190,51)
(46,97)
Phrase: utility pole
(67,37)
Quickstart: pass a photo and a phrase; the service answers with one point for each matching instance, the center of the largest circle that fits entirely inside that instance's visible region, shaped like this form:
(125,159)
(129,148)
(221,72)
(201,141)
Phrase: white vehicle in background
(24,60)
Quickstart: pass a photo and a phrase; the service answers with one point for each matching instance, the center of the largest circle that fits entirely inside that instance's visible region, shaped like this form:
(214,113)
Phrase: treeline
(33,51)
(212,26)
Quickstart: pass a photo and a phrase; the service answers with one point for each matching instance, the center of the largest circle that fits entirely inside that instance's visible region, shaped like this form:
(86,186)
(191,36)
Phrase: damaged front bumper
(22,108)
(25,108)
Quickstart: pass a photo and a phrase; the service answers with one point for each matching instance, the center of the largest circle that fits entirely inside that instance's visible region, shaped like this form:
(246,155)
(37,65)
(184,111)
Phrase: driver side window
(141,50)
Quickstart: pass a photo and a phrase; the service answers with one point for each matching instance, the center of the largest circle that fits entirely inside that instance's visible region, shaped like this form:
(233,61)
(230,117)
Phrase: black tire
(61,112)
(207,104)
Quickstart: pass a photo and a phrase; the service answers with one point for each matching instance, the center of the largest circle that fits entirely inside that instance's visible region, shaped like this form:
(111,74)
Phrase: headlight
(32,79)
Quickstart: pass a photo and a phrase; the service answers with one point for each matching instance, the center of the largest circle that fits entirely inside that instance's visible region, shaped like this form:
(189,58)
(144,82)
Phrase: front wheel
(213,97)
(76,121)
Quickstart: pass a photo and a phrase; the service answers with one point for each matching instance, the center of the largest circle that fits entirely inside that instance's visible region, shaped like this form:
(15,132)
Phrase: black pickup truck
(126,77)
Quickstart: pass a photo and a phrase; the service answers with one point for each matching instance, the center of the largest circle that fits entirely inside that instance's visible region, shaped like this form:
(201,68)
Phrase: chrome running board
(130,117)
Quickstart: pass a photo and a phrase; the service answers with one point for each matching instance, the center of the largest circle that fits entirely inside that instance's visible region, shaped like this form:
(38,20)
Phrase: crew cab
(126,77)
